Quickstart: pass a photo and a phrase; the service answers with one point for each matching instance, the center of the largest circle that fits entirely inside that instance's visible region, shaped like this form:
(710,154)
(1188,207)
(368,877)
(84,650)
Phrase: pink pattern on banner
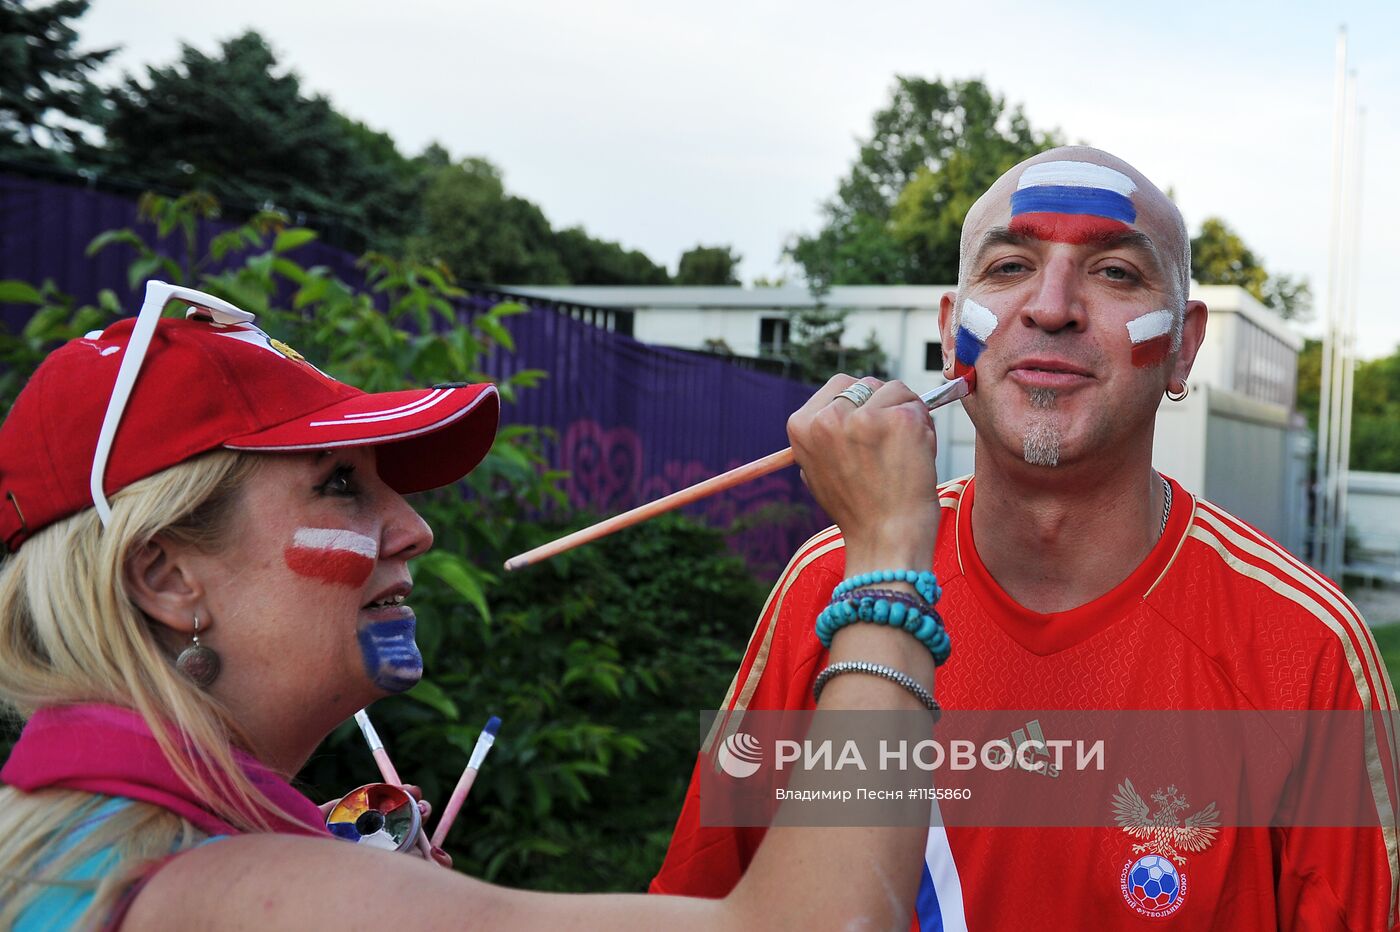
(603,466)
(762,520)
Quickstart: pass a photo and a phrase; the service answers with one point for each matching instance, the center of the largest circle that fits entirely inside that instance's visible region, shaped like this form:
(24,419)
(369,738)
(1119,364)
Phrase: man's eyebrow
(1109,239)
(1129,239)
(998,236)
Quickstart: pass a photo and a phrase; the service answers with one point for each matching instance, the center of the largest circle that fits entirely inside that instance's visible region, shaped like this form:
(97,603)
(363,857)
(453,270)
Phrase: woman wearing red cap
(207,571)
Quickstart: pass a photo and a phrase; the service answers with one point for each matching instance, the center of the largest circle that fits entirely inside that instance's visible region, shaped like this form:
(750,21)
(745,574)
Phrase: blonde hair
(69,634)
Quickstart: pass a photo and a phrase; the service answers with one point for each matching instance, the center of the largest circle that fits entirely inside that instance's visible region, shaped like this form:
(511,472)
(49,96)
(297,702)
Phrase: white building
(1236,439)
(750,321)
(1373,522)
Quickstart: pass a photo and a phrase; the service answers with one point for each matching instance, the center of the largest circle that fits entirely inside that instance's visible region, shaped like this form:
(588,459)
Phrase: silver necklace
(1166,503)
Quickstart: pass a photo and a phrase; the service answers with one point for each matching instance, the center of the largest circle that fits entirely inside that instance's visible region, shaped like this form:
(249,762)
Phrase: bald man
(1076,577)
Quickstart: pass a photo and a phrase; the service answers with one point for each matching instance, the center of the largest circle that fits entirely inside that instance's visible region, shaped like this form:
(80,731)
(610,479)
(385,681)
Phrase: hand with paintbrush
(974,327)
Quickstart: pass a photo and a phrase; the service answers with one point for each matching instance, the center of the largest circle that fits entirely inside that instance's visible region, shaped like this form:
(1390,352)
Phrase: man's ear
(1193,333)
(162,584)
(945,325)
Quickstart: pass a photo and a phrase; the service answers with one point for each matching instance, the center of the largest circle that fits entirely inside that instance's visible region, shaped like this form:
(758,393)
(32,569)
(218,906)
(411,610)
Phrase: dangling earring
(1178,396)
(199,663)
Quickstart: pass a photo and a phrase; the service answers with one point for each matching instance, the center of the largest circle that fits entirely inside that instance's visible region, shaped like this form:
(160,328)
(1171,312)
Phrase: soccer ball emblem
(1153,884)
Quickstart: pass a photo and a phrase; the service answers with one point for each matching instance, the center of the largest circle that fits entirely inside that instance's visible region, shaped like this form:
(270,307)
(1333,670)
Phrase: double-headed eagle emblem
(1164,831)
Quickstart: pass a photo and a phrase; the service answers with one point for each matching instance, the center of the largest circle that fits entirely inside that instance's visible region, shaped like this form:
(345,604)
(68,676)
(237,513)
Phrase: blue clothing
(60,906)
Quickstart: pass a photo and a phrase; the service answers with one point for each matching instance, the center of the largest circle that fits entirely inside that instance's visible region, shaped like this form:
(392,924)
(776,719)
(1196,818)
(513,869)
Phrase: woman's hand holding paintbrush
(975,326)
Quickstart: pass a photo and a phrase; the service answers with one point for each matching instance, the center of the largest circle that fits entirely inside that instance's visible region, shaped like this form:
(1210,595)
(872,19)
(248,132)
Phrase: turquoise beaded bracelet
(927,628)
(924,583)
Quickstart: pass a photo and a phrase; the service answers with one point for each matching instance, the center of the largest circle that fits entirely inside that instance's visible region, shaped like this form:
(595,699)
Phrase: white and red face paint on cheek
(332,555)
(1151,335)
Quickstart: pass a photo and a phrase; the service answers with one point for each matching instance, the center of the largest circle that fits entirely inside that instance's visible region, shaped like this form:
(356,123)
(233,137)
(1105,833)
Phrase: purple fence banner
(628,421)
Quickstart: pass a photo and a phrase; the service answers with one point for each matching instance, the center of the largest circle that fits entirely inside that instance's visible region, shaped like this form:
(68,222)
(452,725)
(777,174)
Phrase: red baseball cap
(146,393)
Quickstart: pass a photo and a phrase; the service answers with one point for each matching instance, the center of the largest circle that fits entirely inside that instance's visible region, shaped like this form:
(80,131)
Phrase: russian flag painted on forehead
(1072,202)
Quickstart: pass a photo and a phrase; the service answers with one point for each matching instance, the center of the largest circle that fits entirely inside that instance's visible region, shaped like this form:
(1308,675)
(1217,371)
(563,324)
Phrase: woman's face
(307,606)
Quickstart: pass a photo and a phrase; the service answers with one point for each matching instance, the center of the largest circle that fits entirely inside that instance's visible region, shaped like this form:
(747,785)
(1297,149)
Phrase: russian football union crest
(1154,885)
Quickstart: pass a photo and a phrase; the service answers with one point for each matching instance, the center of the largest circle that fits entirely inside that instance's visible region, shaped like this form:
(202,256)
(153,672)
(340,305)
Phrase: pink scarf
(108,750)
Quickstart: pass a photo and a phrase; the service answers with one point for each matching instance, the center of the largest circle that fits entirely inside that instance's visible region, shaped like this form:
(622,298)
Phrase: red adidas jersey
(1218,616)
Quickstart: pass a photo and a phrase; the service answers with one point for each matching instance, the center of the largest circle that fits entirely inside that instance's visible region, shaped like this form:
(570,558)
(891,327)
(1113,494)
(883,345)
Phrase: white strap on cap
(158,295)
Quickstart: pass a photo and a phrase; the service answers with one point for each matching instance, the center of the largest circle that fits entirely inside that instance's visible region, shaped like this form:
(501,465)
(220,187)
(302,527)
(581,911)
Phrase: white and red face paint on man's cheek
(332,555)
(1151,335)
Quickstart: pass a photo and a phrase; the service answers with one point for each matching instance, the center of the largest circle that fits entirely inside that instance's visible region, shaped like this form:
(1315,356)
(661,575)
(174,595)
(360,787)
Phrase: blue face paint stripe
(1070,199)
(926,904)
(968,348)
(390,653)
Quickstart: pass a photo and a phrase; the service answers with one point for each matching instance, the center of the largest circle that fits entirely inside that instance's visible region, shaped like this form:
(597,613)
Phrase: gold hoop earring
(1181,395)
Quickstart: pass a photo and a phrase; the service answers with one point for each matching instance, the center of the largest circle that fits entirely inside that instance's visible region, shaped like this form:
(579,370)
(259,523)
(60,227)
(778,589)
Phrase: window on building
(933,356)
(773,335)
(624,322)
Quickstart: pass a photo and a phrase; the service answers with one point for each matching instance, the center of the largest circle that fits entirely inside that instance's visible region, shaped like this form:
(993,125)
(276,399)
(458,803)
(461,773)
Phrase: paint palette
(379,815)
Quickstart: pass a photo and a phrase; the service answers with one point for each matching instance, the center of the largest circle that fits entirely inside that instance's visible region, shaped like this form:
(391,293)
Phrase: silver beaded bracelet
(880,670)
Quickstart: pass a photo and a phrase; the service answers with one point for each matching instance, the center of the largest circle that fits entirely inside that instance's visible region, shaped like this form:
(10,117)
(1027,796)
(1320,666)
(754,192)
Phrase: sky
(664,125)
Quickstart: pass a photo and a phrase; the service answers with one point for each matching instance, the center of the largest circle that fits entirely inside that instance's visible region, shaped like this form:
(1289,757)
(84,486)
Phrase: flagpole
(1321,485)
(1340,349)
(1352,301)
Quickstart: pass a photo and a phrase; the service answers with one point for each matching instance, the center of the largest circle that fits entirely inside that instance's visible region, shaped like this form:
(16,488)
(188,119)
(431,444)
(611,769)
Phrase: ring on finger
(857,394)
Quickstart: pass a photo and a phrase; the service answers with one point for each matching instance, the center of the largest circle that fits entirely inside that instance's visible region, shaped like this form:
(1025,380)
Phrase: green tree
(238,125)
(47,96)
(1220,257)
(481,232)
(1375,429)
(708,265)
(589,261)
(1375,413)
(896,217)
